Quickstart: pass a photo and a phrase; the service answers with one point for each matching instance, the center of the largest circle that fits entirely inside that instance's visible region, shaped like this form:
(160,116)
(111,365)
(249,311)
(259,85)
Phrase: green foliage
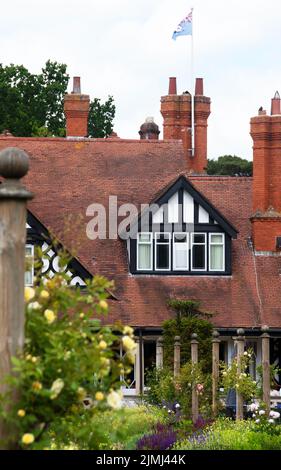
(242,382)
(226,434)
(101,115)
(161,386)
(110,430)
(230,165)
(68,357)
(187,321)
(32,105)
(192,375)
(30,102)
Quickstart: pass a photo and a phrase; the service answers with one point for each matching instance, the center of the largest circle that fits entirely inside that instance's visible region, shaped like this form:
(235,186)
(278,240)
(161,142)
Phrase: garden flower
(56,388)
(27,439)
(102,345)
(128,343)
(29,293)
(245,353)
(81,392)
(271,421)
(28,357)
(105,361)
(103,304)
(21,413)
(34,359)
(274,414)
(261,412)
(34,306)
(128,330)
(131,356)
(257,421)
(253,407)
(50,316)
(44,294)
(82,315)
(224,373)
(114,400)
(99,396)
(87,403)
(177,405)
(37,386)
(67,355)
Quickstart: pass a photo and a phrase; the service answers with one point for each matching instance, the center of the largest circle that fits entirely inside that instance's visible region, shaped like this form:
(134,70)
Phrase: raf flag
(185,27)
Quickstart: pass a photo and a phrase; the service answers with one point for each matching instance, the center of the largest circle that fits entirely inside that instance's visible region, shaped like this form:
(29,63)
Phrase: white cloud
(124,48)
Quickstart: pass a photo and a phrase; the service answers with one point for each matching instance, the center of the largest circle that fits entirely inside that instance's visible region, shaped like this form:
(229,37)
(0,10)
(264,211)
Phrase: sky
(124,48)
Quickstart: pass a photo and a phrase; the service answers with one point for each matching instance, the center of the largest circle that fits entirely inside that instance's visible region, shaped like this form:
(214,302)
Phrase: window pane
(180,253)
(28,275)
(216,257)
(198,238)
(162,257)
(162,238)
(180,238)
(144,237)
(144,256)
(217,238)
(198,256)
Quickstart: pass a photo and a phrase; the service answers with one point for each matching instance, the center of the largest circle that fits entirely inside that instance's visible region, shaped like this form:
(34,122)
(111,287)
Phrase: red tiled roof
(69,175)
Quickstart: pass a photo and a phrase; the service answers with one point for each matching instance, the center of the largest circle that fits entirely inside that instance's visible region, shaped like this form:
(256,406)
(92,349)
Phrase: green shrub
(68,356)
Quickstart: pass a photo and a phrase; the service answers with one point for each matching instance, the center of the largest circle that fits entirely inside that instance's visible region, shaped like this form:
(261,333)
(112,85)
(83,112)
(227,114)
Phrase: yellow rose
(105,361)
(103,304)
(99,396)
(21,413)
(29,357)
(102,345)
(56,388)
(37,386)
(128,331)
(27,439)
(34,359)
(128,343)
(29,293)
(82,315)
(50,316)
(114,400)
(81,392)
(44,294)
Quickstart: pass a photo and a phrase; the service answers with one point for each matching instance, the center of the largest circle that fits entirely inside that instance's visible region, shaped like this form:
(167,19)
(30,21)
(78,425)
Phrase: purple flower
(163,438)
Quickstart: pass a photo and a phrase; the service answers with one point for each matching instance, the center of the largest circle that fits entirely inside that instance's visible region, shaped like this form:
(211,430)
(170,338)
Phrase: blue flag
(184,28)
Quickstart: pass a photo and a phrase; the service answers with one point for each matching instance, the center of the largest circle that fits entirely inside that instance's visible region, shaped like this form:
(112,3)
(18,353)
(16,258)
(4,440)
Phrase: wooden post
(265,342)
(159,353)
(177,356)
(215,371)
(137,366)
(14,165)
(194,359)
(240,352)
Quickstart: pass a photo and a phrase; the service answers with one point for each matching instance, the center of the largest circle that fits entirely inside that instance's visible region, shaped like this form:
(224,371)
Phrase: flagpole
(192,90)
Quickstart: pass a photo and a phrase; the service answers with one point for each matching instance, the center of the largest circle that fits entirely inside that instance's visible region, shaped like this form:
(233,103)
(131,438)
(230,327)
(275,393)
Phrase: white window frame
(199,244)
(151,250)
(217,244)
(174,250)
(155,250)
(28,245)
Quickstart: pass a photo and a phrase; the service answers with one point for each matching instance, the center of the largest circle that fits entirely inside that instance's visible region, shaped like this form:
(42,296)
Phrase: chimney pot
(76,85)
(199,87)
(275,104)
(172,86)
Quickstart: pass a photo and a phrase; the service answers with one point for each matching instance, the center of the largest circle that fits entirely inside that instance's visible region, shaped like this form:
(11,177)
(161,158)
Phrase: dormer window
(181,234)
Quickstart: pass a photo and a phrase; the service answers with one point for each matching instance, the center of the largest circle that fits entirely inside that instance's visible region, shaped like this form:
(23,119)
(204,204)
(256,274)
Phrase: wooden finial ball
(265,328)
(215,334)
(14,163)
(194,336)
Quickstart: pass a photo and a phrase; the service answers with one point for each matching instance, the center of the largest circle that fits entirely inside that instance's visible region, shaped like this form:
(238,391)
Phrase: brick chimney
(266,219)
(176,111)
(76,109)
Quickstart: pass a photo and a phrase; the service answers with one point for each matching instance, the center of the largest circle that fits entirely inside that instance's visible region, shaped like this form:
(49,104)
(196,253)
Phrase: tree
(32,105)
(101,116)
(230,165)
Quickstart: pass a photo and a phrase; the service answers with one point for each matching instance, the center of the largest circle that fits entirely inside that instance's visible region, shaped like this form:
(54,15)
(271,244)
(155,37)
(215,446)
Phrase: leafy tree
(101,116)
(32,105)
(230,165)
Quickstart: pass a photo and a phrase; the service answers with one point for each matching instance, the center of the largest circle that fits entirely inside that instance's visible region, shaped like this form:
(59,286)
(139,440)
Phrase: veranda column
(137,367)
(194,359)
(13,198)
(159,353)
(265,347)
(177,356)
(215,371)
(240,352)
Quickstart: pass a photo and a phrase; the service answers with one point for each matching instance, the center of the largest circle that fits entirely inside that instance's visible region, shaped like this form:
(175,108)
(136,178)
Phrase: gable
(38,235)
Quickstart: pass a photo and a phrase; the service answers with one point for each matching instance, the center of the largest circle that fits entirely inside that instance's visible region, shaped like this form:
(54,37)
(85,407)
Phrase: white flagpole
(192,90)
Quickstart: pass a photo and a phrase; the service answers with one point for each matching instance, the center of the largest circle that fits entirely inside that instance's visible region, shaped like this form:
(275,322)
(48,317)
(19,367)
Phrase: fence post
(215,371)
(265,345)
(14,164)
(177,356)
(194,359)
(159,353)
(240,351)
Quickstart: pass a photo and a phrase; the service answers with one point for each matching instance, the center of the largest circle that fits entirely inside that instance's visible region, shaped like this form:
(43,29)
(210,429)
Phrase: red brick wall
(265,232)
(76,109)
